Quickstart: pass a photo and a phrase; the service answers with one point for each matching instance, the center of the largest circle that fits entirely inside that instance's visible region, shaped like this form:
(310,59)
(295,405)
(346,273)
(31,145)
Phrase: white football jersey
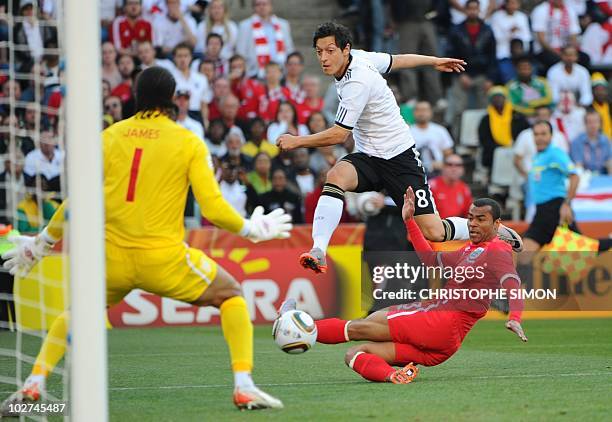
(368,107)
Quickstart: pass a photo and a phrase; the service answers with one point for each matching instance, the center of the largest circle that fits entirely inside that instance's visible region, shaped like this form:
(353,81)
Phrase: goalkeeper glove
(27,252)
(261,227)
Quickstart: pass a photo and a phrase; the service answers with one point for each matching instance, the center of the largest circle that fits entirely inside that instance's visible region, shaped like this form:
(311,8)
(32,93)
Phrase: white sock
(242,379)
(326,218)
(461,228)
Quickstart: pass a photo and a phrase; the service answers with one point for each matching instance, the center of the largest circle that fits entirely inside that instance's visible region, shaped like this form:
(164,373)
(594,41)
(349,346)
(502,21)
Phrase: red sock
(331,331)
(371,367)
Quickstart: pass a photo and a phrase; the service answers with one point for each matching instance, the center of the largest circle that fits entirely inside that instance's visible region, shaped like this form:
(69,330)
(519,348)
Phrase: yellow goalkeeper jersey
(149,163)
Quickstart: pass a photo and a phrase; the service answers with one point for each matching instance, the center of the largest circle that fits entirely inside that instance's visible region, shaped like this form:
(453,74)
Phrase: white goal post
(88,371)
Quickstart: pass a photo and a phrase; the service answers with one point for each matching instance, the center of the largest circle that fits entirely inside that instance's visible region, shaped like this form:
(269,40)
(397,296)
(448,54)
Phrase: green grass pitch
(182,374)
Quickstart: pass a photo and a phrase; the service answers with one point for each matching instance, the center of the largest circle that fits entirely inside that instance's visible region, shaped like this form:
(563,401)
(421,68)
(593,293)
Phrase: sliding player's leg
(353,174)
(189,275)
(335,330)
(373,362)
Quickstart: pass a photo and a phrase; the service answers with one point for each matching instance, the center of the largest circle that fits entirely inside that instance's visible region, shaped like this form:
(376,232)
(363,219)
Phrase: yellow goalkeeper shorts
(178,272)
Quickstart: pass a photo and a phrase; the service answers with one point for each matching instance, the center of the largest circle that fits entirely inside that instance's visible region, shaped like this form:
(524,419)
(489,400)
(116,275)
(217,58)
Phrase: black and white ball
(294,332)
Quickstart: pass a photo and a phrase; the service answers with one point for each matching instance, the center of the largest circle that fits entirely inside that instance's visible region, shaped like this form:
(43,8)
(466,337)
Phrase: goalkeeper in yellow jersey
(149,163)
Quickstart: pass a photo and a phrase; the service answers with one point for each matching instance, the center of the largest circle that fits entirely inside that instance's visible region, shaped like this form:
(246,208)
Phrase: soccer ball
(294,332)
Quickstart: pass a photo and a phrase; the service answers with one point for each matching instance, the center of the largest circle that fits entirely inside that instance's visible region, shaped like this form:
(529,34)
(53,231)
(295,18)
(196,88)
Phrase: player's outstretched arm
(260,227)
(443,64)
(512,285)
(29,250)
(332,136)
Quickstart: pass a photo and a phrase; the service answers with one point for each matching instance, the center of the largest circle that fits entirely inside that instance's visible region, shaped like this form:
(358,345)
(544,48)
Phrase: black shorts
(394,175)
(542,228)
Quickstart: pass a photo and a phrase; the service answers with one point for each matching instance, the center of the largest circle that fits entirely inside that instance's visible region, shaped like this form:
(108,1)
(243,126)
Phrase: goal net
(50,116)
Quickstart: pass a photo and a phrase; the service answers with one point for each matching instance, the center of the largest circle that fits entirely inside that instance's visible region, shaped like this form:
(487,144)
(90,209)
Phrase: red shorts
(425,334)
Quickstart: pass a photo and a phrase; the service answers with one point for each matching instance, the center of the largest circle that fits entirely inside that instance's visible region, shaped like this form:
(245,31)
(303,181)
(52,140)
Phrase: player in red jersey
(428,333)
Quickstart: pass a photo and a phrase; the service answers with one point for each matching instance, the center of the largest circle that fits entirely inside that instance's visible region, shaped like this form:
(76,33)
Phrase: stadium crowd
(242,84)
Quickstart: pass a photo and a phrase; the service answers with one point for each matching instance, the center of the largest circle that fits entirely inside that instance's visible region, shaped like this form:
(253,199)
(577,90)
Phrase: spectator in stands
(45,161)
(568,117)
(509,23)
(323,158)
(110,71)
(303,175)
(459,10)
(109,9)
(126,67)
(595,42)
(473,41)
(528,91)
(207,68)
(221,89)
(217,21)
(215,139)
(258,140)
(263,38)
(417,34)
(248,90)
(285,122)
(601,103)
(274,93)
(192,81)
(112,106)
(130,29)
(232,190)
(568,75)
(10,89)
(11,185)
(453,197)
(172,28)
(591,149)
(214,46)
(280,196)
(294,67)
(146,56)
(106,90)
(500,126)
(181,100)
(259,178)
(29,215)
(234,142)
(552,168)
(554,25)
(313,102)
(229,112)
(431,139)
(33,35)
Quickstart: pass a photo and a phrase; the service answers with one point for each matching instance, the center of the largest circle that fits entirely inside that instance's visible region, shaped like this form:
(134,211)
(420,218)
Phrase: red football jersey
(248,92)
(451,200)
(123,34)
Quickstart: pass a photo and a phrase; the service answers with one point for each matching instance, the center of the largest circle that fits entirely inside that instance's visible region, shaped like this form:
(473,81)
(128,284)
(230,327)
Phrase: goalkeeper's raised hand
(27,252)
(261,227)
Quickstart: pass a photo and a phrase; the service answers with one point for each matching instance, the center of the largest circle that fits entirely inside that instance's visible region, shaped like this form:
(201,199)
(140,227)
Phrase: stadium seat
(502,171)
(470,119)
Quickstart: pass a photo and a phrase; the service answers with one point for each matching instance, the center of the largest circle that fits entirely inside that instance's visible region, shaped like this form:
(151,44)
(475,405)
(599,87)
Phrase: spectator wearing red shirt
(248,91)
(126,68)
(221,90)
(274,92)
(130,29)
(313,102)
(311,200)
(453,197)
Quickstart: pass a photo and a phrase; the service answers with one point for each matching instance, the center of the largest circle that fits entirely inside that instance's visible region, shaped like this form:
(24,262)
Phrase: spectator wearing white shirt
(263,38)
(509,23)
(29,33)
(46,161)
(231,189)
(568,116)
(214,46)
(217,22)
(458,11)
(193,82)
(172,28)
(152,8)
(181,99)
(595,42)
(109,9)
(431,139)
(554,25)
(569,76)
(146,56)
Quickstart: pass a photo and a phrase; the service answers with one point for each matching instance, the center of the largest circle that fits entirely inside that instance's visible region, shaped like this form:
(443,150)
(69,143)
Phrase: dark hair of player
(154,91)
(544,122)
(492,203)
(332,29)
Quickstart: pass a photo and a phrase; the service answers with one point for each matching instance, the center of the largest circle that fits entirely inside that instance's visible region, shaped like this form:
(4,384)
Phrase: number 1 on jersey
(134,175)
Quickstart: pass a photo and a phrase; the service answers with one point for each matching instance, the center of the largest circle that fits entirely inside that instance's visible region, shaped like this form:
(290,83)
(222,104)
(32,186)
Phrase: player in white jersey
(385,157)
